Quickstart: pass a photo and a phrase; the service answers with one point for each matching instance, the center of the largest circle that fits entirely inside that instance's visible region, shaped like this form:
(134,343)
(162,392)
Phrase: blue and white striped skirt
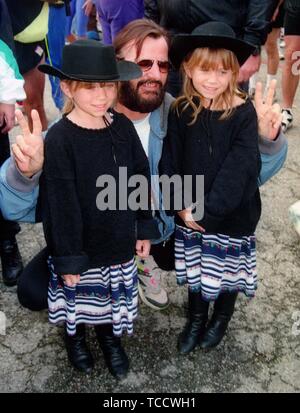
(216,263)
(105,295)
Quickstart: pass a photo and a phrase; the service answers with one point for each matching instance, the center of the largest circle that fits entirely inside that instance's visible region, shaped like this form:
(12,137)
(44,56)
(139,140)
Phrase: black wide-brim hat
(92,61)
(215,35)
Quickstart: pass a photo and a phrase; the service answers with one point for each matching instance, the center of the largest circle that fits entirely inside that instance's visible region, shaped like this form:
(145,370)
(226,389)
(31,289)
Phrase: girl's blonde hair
(75,85)
(209,59)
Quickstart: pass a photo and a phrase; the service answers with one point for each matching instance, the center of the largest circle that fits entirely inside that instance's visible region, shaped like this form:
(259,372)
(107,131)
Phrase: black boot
(11,260)
(223,310)
(78,353)
(195,327)
(114,354)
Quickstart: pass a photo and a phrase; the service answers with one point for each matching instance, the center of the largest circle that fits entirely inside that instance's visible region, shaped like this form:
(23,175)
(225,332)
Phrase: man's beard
(130,98)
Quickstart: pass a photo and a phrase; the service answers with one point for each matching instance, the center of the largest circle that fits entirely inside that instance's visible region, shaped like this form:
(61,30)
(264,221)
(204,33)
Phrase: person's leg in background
(290,73)
(34,89)
(34,281)
(56,42)
(10,256)
(69,22)
(272,47)
(105,24)
(81,20)
(29,57)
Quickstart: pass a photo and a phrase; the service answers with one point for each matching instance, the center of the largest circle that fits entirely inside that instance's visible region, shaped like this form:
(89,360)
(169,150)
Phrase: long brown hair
(209,59)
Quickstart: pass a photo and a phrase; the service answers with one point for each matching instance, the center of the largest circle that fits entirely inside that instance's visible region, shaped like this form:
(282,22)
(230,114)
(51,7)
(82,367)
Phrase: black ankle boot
(195,327)
(78,353)
(223,310)
(11,260)
(114,354)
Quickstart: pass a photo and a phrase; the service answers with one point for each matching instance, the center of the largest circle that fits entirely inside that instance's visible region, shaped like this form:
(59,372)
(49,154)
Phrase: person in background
(115,14)
(29,20)
(77,21)
(291,67)
(271,45)
(11,90)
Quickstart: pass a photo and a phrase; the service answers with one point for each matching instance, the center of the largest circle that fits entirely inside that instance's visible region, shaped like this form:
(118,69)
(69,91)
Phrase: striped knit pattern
(103,295)
(215,263)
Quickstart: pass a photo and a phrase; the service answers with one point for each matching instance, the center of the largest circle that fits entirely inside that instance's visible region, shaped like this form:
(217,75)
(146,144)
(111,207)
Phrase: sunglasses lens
(145,64)
(163,66)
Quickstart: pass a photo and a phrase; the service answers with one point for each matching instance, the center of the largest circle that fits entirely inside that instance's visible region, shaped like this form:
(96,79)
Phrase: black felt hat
(215,35)
(91,61)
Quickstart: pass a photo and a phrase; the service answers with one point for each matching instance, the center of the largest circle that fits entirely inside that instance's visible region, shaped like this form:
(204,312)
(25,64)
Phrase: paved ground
(261,352)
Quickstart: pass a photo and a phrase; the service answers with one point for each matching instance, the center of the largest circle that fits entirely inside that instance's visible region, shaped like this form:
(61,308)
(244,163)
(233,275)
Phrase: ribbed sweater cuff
(147,229)
(19,182)
(71,264)
(269,147)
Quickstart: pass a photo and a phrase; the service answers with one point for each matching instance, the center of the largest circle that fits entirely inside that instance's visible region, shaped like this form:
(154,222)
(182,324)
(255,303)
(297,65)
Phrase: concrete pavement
(261,352)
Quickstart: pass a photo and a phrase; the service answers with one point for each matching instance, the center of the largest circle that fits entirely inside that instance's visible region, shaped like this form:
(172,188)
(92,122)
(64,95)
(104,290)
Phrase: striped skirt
(216,263)
(106,295)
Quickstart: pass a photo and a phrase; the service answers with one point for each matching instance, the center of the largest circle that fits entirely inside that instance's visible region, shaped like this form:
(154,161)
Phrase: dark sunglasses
(146,64)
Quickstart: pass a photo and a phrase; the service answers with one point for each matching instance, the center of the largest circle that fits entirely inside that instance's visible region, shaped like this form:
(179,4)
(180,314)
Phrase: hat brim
(126,71)
(184,44)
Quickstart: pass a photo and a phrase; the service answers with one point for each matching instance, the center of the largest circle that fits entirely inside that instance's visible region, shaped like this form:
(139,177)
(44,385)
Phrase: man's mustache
(142,82)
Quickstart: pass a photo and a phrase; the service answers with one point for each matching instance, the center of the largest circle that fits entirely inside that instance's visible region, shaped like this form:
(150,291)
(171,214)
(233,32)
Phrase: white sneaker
(150,289)
(287,119)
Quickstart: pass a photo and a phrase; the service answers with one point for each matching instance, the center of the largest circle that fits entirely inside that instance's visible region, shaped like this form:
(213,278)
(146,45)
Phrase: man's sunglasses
(146,64)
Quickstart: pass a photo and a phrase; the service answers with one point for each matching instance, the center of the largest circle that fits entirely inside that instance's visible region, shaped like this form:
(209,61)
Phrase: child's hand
(28,150)
(187,218)
(143,248)
(71,280)
(268,114)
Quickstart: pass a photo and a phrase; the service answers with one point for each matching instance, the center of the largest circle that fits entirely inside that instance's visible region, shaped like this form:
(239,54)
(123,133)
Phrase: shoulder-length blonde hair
(209,59)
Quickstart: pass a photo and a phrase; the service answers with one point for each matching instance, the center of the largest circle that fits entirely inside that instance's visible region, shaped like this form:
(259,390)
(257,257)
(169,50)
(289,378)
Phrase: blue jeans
(56,42)
(115,14)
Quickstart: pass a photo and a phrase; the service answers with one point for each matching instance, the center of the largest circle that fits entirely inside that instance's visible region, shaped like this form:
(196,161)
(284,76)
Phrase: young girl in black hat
(213,132)
(93,272)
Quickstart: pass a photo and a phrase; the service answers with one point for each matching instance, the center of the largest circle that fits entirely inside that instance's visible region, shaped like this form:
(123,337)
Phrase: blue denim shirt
(158,130)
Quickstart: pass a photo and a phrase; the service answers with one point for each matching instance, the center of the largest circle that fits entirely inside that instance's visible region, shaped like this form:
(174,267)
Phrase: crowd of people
(162,91)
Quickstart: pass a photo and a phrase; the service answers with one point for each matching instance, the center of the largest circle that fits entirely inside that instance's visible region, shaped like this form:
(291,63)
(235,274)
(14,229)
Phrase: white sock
(252,81)
(269,78)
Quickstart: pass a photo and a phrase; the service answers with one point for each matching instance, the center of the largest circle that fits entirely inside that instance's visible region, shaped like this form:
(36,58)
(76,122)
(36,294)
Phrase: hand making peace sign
(28,150)
(268,114)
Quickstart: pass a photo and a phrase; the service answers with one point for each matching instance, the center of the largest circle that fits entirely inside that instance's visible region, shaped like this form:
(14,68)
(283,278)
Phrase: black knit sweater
(78,234)
(226,153)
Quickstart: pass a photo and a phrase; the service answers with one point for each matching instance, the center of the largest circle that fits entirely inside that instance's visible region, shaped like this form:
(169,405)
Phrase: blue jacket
(158,130)
(18,194)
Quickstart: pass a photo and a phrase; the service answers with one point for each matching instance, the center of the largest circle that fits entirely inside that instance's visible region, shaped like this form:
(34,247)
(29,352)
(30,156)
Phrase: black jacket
(6,33)
(249,18)
(226,153)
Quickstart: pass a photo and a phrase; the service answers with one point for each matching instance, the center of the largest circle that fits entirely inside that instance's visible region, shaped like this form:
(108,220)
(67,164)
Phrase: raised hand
(87,7)
(268,114)
(28,150)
